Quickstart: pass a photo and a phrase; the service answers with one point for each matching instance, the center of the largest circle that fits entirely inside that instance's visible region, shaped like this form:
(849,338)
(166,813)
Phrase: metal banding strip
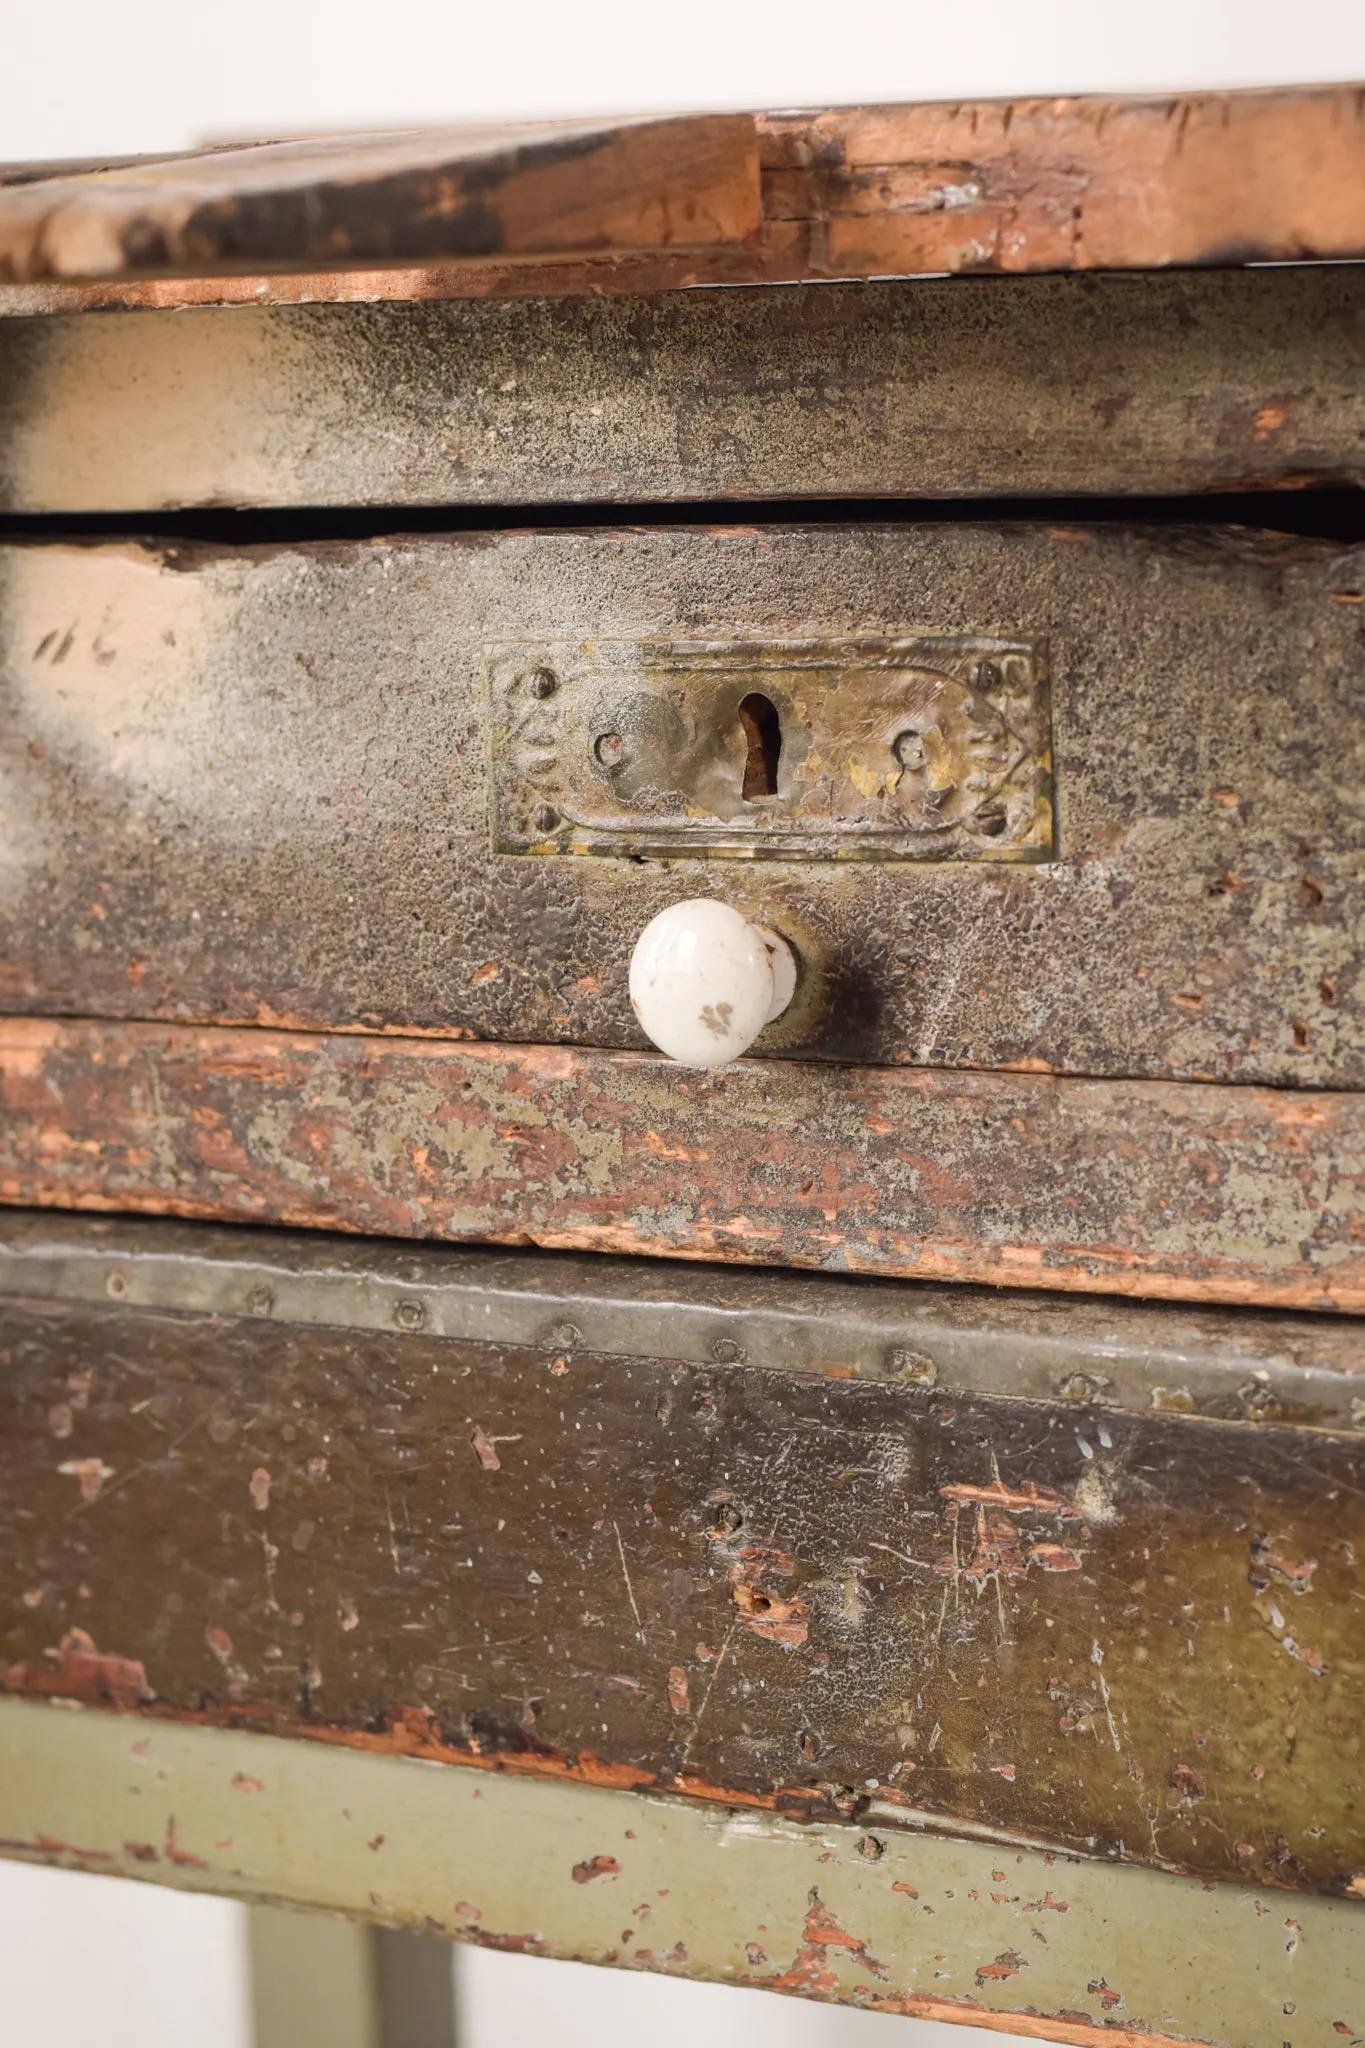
(1221,1365)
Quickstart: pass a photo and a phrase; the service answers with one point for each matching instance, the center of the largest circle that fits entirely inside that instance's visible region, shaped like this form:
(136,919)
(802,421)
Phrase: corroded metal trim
(929,746)
(1027,1943)
(1227,1366)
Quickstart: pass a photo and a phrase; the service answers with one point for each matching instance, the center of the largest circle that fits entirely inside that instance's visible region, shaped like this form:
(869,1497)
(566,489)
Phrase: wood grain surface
(821,1595)
(1181,1192)
(537,189)
(249,784)
(1193,381)
(996,185)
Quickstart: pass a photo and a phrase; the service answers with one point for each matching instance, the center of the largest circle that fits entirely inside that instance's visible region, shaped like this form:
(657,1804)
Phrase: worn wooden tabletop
(651,203)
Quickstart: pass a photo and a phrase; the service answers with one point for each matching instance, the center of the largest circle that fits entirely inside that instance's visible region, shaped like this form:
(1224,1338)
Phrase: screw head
(410,1315)
(908,749)
(546,818)
(914,1366)
(608,749)
(544,683)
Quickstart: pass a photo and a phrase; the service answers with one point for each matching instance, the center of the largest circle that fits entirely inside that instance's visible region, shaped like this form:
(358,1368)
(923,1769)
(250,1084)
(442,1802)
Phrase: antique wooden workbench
(883,1517)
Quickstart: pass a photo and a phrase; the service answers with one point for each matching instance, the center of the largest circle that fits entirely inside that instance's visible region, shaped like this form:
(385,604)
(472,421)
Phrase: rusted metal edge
(1178,1191)
(1213,1365)
(1023,1942)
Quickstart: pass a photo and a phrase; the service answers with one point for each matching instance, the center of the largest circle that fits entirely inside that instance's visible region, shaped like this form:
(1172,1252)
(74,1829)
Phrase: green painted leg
(322,1982)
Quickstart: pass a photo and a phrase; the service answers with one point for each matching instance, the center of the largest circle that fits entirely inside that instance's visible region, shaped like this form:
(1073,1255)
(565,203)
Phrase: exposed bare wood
(1182,1192)
(1074,184)
(996,185)
(533,190)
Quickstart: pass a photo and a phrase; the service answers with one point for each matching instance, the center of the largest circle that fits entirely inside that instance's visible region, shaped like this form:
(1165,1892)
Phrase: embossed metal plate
(922,747)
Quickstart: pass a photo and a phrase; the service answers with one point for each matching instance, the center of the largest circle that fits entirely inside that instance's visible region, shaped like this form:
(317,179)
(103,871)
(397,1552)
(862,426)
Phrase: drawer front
(1052,1574)
(1213,381)
(1176,1191)
(256,786)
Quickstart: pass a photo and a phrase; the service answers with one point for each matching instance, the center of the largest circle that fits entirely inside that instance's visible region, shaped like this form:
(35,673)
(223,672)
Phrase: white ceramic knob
(704,981)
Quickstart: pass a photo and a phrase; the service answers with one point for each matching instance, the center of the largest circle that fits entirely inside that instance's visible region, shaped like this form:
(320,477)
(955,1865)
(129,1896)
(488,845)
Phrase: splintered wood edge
(533,191)
(829,1912)
(1215,1194)
(984,186)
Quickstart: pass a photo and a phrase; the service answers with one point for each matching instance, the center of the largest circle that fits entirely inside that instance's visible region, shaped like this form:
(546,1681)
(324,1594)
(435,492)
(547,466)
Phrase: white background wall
(81,76)
(93,1958)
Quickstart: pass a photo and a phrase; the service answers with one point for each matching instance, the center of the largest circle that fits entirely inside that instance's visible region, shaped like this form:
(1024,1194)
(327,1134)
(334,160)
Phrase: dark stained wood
(1222,380)
(533,189)
(250,784)
(996,185)
(1179,1192)
(825,1596)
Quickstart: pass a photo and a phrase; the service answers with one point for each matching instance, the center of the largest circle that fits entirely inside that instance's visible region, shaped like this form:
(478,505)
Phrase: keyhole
(763,739)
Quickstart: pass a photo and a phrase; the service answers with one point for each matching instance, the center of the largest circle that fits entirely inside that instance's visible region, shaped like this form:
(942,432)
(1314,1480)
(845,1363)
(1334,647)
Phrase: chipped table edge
(932,1926)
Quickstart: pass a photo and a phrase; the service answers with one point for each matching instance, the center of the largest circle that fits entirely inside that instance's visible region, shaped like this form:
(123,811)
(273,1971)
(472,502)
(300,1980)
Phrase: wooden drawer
(326,846)
(1059,1574)
(254,785)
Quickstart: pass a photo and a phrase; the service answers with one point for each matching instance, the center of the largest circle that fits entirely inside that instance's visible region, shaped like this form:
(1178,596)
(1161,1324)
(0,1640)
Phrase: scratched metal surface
(251,785)
(1072,1951)
(1129,1634)
(1303,1371)
(1194,381)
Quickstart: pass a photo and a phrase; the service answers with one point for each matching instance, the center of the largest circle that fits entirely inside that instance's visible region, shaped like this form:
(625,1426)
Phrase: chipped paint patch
(91,1473)
(546,1145)
(1009,1964)
(81,1672)
(810,1970)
